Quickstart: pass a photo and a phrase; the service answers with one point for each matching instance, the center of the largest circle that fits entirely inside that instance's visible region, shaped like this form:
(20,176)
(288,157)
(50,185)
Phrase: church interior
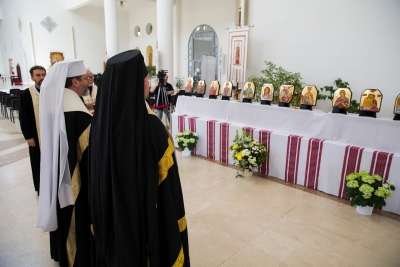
(293,209)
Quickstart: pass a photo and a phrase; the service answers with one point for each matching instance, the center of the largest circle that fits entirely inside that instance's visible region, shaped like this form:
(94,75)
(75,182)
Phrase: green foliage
(354,107)
(329,91)
(152,71)
(186,139)
(364,189)
(178,83)
(277,76)
(247,152)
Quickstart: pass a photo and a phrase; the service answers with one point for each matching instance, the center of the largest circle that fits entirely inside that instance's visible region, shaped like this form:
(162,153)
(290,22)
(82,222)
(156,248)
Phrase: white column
(111,23)
(164,36)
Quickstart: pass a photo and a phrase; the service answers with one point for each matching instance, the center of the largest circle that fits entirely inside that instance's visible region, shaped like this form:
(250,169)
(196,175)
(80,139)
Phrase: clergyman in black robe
(135,192)
(63,201)
(29,120)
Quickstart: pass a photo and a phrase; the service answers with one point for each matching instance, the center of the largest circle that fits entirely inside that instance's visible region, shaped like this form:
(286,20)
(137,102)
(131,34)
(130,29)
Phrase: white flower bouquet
(186,139)
(247,152)
(364,189)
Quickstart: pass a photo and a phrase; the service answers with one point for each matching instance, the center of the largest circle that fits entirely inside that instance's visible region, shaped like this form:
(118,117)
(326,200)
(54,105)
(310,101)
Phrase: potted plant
(277,76)
(152,72)
(247,153)
(366,191)
(187,141)
(178,83)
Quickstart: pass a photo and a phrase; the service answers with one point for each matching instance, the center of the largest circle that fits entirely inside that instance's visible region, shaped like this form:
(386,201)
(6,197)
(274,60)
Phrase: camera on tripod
(161,76)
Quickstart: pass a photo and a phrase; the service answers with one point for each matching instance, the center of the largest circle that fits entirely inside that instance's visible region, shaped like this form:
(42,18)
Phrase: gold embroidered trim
(35,102)
(180,260)
(182,224)
(71,241)
(165,162)
(92,229)
(82,144)
(88,98)
(150,111)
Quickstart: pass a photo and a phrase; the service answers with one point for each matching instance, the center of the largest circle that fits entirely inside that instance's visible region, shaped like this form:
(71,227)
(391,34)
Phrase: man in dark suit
(29,120)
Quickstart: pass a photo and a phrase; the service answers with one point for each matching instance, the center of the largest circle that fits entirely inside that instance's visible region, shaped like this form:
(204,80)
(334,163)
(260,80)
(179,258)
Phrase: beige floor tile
(4,211)
(249,221)
(385,225)
(362,256)
(319,203)
(296,231)
(332,244)
(41,247)
(198,257)
(198,229)
(218,246)
(349,213)
(216,215)
(254,258)
(343,227)
(195,204)
(274,244)
(20,255)
(243,229)
(20,194)
(305,214)
(13,149)
(380,241)
(305,255)
(10,234)
(264,217)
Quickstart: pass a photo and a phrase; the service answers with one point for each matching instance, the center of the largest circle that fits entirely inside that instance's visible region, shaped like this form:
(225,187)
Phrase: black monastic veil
(138,216)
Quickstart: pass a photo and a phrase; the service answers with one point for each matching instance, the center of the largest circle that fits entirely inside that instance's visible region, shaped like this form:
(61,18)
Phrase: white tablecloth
(313,149)
(381,134)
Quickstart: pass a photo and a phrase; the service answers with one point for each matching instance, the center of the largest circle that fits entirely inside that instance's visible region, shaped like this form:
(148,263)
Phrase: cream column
(111,22)
(164,36)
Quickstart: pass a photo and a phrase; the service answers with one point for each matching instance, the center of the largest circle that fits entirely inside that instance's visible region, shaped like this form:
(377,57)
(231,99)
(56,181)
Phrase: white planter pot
(248,173)
(186,152)
(367,210)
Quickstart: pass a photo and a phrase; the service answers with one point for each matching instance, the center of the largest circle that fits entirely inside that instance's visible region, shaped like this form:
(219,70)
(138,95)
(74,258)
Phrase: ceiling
(128,4)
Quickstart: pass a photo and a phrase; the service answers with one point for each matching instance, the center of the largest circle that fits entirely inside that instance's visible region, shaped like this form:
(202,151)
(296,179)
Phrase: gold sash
(35,102)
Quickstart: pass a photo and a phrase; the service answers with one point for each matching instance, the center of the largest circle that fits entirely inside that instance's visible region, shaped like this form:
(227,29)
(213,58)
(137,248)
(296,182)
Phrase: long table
(310,148)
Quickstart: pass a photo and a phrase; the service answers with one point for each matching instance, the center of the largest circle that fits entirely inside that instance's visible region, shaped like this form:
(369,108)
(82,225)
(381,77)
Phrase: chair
(3,102)
(15,92)
(14,107)
(9,100)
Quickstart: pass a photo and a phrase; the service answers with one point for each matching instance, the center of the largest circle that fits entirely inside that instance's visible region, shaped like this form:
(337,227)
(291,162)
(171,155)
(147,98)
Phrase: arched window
(202,41)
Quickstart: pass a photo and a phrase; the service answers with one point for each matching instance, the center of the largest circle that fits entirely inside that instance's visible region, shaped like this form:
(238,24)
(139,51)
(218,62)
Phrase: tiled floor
(249,221)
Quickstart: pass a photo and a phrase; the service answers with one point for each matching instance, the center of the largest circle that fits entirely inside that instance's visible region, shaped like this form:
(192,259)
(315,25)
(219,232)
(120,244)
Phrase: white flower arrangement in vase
(247,152)
(186,139)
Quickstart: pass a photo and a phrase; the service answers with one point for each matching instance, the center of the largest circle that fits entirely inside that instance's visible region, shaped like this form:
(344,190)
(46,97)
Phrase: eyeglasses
(90,77)
(85,78)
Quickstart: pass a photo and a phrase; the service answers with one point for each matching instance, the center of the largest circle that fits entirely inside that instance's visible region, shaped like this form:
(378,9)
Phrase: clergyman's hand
(89,105)
(31,142)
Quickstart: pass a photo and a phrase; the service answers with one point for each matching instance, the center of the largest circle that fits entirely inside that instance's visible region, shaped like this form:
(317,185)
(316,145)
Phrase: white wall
(123,30)
(141,17)
(88,24)
(1,65)
(355,40)
(217,14)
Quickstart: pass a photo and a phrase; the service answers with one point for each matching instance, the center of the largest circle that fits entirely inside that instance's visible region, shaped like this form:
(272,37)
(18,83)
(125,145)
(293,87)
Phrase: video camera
(161,76)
